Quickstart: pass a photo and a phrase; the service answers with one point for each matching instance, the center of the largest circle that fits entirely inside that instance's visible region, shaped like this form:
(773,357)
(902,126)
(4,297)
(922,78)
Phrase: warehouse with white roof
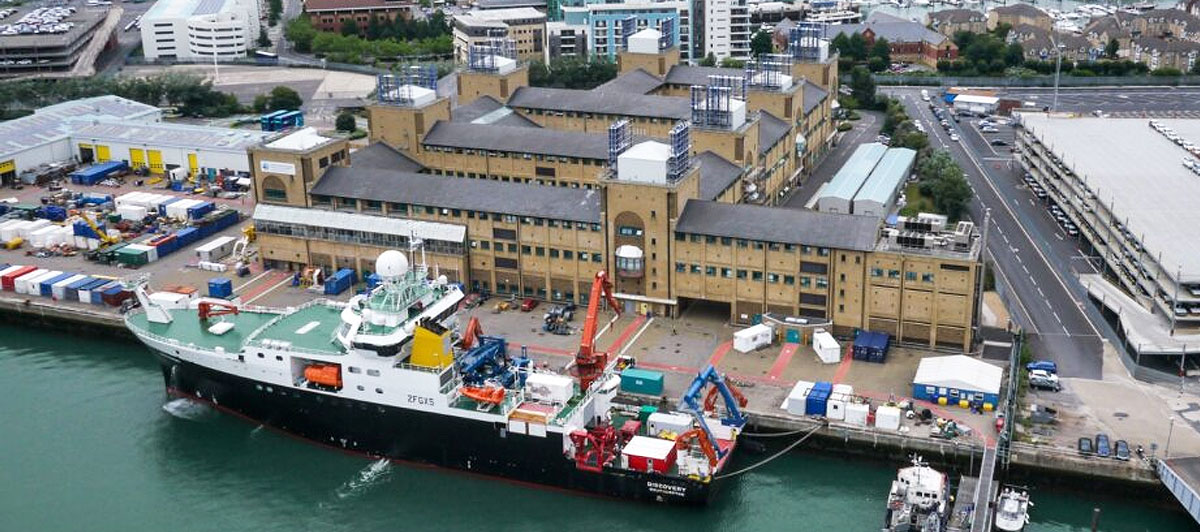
(956,378)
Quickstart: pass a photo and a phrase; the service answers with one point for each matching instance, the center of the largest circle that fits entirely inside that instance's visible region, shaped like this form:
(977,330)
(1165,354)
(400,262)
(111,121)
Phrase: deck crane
(734,400)
(103,236)
(211,309)
(589,363)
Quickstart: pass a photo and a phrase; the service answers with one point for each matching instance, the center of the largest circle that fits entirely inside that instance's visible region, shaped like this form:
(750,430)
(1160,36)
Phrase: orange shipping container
(324,375)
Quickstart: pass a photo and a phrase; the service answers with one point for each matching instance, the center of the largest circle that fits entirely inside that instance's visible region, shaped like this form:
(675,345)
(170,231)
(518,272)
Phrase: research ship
(391,373)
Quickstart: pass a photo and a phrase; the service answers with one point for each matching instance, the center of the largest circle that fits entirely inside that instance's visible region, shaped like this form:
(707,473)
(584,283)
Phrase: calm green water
(86,444)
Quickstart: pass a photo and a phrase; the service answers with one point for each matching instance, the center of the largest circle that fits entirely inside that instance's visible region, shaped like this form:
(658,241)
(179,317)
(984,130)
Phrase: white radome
(391,264)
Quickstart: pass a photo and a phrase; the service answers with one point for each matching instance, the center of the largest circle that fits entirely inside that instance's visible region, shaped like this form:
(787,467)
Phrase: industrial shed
(878,194)
(837,196)
(957,378)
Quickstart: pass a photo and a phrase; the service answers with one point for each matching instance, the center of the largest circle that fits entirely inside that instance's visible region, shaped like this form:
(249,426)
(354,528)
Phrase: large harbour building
(1130,186)
(532,192)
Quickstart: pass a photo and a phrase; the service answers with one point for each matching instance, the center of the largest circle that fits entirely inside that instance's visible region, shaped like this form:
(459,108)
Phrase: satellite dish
(391,264)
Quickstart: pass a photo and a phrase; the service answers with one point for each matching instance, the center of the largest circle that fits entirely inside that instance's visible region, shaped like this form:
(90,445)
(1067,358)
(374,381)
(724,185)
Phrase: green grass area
(916,201)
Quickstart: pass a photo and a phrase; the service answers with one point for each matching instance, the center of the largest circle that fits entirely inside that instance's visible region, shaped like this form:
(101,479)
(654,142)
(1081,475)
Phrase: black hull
(427,438)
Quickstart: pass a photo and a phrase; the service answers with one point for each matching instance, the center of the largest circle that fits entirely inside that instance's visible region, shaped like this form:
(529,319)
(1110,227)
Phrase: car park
(1085,446)
(1103,450)
(1121,450)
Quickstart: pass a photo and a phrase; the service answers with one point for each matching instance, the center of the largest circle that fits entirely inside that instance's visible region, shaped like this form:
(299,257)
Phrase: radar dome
(391,264)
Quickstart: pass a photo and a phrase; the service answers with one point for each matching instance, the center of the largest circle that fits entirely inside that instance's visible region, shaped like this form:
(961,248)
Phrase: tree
(709,60)
(942,181)
(761,43)
(730,62)
(856,47)
(301,32)
(283,98)
(1110,50)
(264,41)
(1195,68)
(1001,31)
(571,73)
(862,87)
(349,27)
(345,122)
(1014,54)
(882,49)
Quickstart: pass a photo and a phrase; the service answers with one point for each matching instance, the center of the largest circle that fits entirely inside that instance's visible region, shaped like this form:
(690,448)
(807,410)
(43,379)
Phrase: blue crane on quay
(734,402)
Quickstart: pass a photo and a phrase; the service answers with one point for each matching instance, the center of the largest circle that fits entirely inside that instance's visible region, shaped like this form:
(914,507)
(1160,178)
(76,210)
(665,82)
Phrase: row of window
(743,243)
(538,251)
(594,116)
(507,179)
(405,209)
(370,238)
(908,276)
(516,155)
(753,275)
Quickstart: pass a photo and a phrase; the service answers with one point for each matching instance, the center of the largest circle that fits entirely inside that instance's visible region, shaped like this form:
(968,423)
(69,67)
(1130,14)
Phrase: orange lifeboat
(328,375)
(485,394)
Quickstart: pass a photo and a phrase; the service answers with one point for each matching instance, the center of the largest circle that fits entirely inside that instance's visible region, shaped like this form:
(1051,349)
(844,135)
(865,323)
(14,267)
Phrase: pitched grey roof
(1163,45)
(517,139)
(770,131)
(716,174)
(1172,14)
(906,31)
(956,16)
(813,96)
(698,75)
(1021,9)
(779,224)
(488,110)
(542,201)
(635,81)
(602,102)
(504,4)
(380,156)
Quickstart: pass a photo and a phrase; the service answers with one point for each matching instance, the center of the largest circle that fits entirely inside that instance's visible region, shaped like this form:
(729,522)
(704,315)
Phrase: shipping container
(22,282)
(132,212)
(33,285)
(59,289)
(98,293)
(216,249)
(115,295)
(134,255)
(187,236)
(221,287)
(178,210)
(72,293)
(45,289)
(9,278)
(98,172)
(81,228)
(94,198)
(643,381)
(166,205)
(198,211)
(649,454)
(85,291)
(165,244)
(340,281)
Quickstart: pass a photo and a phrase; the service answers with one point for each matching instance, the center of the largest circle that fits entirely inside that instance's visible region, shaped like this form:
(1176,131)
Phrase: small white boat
(1012,510)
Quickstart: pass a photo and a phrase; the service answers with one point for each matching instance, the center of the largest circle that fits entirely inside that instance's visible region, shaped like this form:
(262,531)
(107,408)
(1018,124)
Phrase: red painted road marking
(542,349)
(719,353)
(626,333)
(781,363)
(263,286)
(844,367)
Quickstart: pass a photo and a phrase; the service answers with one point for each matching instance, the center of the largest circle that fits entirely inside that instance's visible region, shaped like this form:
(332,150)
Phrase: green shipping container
(634,380)
(644,413)
(132,256)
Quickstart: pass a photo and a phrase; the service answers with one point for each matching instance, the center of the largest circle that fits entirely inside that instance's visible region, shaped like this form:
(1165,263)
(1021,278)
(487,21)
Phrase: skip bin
(221,287)
(637,380)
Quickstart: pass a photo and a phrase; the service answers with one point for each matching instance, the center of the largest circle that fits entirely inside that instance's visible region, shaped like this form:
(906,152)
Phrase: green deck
(188,329)
(317,338)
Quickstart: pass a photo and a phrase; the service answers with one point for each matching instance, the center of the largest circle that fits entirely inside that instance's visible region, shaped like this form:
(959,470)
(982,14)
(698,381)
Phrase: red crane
(589,363)
(683,442)
(710,401)
(211,309)
(471,333)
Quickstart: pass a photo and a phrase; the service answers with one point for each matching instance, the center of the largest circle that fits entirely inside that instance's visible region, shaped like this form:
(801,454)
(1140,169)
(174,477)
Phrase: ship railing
(262,344)
(422,369)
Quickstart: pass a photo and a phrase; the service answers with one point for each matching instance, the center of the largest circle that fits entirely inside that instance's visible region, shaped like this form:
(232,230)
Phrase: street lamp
(1170,430)
(1058,49)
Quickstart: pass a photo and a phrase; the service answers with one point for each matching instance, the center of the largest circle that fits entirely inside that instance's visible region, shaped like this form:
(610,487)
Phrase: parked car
(1043,365)
(1121,450)
(953,137)
(999,142)
(1044,381)
(529,304)
(1103,450)
(1085,446)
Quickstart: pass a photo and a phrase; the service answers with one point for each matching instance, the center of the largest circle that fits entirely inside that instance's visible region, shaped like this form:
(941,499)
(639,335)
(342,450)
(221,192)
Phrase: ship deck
(308,328)
(187,329)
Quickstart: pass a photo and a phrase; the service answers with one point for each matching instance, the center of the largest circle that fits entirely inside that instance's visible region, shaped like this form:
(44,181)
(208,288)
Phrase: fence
(1032,81)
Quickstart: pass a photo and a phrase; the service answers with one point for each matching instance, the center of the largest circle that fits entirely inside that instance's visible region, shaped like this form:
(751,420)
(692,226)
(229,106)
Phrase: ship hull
(421,437)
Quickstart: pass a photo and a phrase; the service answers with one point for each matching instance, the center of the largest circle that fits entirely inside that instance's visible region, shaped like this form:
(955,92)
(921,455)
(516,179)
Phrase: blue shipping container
(816,402)
(162,207)
(96,283)
(73,288)
(97,172)
(197,212)
(95,199)
(98,293)
(221,287)
(187,236)
(53,213)
(46,285)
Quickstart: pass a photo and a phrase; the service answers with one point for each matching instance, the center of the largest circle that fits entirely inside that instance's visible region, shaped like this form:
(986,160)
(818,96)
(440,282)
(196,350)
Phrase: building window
(772,278)
(525,250)
(596,257)
(727,273)
(680,267)
(876,272)
(626,230)
(553,253)
(927,277)
(568,254)
(540,251)
(789,280)
(822,282)
(893,274)
(756,276)
(484,244)
(741,274)
(696,269)
(910,276)
(710,271)
(583,256)
(805,281)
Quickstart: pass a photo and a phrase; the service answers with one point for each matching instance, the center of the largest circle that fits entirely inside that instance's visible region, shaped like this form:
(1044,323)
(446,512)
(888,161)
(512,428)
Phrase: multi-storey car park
(529,192)
(36,40)
(1130,189)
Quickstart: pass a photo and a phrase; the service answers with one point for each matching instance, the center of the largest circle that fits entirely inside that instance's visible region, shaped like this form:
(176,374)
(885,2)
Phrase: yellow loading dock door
(193,165)
(8,172)
(156,163)
(137,158)
(102,154)
(87,153)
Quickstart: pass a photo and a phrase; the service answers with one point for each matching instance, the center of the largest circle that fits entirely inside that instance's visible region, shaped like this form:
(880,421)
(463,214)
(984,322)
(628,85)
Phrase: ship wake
(186,409)
(374,474)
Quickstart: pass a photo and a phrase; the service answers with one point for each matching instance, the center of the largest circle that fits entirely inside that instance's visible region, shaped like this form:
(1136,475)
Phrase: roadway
(1034,260)
(1123,101)
(865,129)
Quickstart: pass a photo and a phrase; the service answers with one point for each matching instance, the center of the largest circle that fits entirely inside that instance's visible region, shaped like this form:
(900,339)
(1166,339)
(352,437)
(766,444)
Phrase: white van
(924,95)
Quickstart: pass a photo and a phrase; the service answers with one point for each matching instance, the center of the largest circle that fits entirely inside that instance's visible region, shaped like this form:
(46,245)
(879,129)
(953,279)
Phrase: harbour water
(91,442)
(919,12)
